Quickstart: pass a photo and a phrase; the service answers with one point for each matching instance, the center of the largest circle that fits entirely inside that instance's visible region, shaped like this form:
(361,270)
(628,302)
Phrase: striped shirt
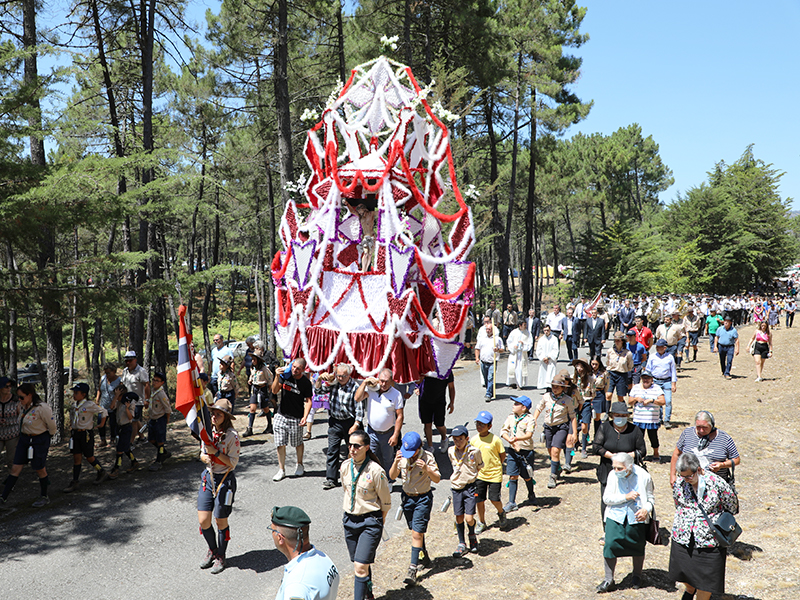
(651,413)
(720,449)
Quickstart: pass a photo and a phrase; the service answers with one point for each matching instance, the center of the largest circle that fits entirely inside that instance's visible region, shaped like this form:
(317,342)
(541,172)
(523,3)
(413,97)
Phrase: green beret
(290,516)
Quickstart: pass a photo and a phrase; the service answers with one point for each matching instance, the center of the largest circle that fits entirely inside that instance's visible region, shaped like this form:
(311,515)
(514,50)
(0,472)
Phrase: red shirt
(644,336)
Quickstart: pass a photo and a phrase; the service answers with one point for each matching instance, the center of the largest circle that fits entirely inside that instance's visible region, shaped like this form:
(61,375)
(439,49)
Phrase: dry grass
(555,551)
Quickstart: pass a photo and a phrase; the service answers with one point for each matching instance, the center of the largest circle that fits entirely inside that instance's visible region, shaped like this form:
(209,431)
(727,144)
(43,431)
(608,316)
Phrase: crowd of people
(604,406)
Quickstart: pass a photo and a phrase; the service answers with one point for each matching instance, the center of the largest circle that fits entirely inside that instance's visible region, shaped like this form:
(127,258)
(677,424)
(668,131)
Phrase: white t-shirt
(381,408)
(134,381)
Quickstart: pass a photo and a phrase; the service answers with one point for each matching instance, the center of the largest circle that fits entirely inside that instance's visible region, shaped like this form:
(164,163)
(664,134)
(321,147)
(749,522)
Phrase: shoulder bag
(724,527)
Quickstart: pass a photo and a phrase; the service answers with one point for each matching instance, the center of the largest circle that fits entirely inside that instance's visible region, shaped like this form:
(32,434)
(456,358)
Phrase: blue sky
(704,78)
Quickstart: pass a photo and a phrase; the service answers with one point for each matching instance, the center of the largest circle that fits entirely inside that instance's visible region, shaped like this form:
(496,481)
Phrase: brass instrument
(655,312)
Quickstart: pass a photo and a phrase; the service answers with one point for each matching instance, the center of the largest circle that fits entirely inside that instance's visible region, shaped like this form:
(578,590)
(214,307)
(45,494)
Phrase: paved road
(139,537)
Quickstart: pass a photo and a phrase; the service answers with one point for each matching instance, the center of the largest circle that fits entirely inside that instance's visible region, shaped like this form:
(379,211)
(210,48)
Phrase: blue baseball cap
(459,430)
(662,342)
(81,387)
(524,400)
(411,443)
(484,417)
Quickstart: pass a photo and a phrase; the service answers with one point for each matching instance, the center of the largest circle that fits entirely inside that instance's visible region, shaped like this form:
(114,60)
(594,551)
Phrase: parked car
(30,374)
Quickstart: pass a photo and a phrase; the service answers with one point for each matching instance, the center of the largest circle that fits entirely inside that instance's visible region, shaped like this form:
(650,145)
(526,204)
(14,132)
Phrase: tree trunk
(554,250)
(86,355)
(512,188)
(97,346)
(340,42)
(573,253)
(12,320)
(270,294)
(500,242)
(407,34)
(281,79)
(529,277)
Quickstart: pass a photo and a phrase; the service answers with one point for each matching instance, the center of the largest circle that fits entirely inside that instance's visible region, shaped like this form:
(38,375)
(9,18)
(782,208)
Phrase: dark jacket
(594,334)
(609,439)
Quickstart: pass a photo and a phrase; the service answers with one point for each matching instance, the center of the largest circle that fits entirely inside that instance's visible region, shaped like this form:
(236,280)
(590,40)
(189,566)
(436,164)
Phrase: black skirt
(701,568)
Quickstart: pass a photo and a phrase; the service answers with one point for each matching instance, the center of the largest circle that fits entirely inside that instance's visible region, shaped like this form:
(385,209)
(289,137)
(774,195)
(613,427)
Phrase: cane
(494,374)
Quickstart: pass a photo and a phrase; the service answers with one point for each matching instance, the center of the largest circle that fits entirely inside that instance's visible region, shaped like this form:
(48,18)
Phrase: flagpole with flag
(594,302)
(188,390)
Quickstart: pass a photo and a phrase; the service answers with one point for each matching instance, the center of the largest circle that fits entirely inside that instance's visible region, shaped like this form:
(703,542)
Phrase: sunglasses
(356,446)
(273,530)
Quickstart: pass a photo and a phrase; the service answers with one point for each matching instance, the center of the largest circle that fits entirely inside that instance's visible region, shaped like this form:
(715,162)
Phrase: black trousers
(338,431)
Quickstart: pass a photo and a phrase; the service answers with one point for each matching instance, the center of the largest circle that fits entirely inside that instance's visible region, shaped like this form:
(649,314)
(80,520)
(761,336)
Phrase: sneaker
(43,501)
(411,576)
(551,482)
(329,484)
(510,507)
(584,455)
(445,444)
(473,544)
(488,398)
(71,487)
(281,474)
(567,469)
(156,466)
(101,477)
(114,473)
(461,550)
(219,565)
(636,582)
(480,527)
(307,435)
(605,586)
(299,471)
(501,517)
(165,455)
(429,449)
(135,466)
(532,499)
(758,379)
(248,432)
(268,429)
(208,561)
(668,425)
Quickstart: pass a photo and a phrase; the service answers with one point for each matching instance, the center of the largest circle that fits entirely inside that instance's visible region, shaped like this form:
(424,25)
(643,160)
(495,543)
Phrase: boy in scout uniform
(226,381)
(419,470)
(81,440)
(467,462)
(124,402)
(160,410)
(518,432)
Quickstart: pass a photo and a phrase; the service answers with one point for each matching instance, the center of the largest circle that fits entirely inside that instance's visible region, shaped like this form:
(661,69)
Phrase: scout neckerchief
(25,414)
(77,411)
(556,401)
(460,460)
(354,480)
(517,421)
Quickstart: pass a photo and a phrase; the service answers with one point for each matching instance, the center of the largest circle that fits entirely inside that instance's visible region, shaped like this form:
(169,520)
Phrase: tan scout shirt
(37,420)
(621,362)
(82,417)
(672,333)
(228,444)
(519,426)
(692,324)
(260,377)
(123,418)
(466,465)
(226,381)
(159,404)
(556,410)
(416,480)
(372,488)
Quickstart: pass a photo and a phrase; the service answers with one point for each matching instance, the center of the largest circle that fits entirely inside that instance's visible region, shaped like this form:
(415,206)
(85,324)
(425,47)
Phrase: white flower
(443,113)
(334,95)
(309,115)
(390,42)
(471,192)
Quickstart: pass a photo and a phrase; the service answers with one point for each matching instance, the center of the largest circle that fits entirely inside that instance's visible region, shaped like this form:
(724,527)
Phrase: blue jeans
(711,337)
(487,369)
(666,385)
(379,444)
(726,358)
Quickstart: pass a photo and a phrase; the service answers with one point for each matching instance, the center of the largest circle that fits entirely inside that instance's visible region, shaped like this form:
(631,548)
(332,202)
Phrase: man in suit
(594,333)
(535,329)
(572,334)
(626,316)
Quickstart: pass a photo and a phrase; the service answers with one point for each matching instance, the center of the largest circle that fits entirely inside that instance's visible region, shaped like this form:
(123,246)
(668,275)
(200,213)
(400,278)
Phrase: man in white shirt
(384,418)
(136,379)
(487,345)
(558,323)
(218,351)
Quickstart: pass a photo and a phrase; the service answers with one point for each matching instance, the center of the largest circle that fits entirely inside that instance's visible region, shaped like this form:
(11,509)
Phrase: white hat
(130,354)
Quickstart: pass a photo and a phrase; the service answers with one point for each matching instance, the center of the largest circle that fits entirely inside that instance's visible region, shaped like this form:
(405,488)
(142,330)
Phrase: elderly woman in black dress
(695,557)
(616,435)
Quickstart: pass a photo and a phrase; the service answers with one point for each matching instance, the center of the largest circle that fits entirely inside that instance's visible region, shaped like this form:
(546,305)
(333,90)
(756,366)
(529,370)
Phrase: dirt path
(555,551)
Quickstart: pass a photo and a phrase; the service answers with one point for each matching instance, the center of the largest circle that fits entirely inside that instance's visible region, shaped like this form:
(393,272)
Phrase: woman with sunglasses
(36,430)
(367,499)
(218,485)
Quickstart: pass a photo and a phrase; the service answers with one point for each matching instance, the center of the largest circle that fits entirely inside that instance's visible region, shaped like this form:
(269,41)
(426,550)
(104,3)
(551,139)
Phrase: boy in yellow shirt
(490,477)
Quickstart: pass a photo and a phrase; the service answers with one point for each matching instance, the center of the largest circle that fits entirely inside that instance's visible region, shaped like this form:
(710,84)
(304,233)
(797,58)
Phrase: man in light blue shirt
(662,365)
(726,343)
(219,350)
(310,574)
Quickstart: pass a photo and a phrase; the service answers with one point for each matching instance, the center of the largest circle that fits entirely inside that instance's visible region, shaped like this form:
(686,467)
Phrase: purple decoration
(401,264)
(442,362)
(303,259)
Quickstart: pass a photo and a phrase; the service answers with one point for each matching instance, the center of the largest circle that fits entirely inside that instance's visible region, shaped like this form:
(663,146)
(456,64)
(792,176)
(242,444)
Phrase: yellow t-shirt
(491,448)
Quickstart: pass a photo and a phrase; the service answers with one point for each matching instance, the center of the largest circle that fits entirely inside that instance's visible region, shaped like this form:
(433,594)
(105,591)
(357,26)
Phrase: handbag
(752,347)
(653,531)
(723,527)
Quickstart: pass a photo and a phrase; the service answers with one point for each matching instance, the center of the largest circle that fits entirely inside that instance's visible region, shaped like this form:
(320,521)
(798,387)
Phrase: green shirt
(713,323)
